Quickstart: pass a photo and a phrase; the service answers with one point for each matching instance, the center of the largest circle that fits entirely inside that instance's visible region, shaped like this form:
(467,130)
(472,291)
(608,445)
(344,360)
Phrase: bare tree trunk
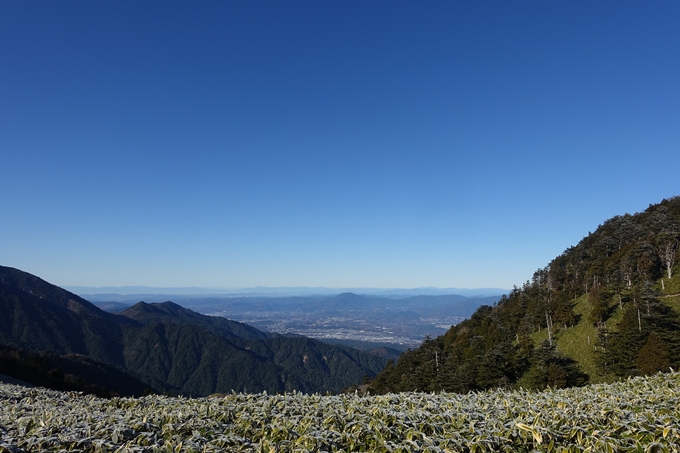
(667,255)
(639,321)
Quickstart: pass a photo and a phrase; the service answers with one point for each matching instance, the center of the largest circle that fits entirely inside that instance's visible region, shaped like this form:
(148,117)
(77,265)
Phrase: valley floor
(639,414)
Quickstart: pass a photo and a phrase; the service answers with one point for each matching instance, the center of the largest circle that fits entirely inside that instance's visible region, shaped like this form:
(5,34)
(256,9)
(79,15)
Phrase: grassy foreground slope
(639,414)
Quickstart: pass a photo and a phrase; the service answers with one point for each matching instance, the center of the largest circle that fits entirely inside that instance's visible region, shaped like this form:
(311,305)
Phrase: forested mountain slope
(36,315)
(170,312)
(170,348)
(606,308)
(251,363)
(71,372)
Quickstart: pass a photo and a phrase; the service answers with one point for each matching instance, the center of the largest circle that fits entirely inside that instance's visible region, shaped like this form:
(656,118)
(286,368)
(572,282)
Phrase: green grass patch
(672,286)
(671,293)
(579,342)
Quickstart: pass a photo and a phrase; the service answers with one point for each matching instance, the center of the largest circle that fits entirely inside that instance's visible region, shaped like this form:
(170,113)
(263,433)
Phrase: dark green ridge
(169,348)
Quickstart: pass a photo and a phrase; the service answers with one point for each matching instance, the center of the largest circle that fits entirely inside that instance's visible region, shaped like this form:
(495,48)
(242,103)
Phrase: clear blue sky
(328,143)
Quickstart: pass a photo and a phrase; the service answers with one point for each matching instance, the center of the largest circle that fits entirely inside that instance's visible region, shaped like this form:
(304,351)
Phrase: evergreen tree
(654,356)
(600,299)
(653,324)
(626,342)
(549,368)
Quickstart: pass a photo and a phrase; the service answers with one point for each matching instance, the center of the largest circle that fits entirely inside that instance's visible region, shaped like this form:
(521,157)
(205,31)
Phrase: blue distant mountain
(282,291)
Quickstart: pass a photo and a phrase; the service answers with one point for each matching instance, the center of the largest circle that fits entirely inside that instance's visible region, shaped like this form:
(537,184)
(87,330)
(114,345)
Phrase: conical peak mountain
(348,301)
(157,309)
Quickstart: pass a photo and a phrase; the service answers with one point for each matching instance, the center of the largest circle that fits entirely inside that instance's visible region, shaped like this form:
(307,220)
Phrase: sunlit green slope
(603,310)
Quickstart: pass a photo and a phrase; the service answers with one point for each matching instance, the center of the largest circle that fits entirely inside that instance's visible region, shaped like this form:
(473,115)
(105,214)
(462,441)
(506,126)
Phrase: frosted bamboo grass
(636,415)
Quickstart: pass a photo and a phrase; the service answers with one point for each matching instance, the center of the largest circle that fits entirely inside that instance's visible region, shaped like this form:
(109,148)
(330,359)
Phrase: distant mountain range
(109,293)
(345,303)
(164,346)
(361,321)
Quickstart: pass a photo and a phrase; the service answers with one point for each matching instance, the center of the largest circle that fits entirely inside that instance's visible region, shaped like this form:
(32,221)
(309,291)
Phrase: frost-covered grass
(634,415)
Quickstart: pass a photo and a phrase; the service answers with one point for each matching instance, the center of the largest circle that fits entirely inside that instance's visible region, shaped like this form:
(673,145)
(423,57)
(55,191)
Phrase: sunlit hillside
(607,308)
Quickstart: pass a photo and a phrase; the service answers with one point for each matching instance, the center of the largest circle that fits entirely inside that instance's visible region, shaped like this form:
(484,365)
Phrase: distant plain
(362,321)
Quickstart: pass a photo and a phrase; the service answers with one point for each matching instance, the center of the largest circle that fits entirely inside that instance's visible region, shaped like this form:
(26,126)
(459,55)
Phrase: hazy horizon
(278,291)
